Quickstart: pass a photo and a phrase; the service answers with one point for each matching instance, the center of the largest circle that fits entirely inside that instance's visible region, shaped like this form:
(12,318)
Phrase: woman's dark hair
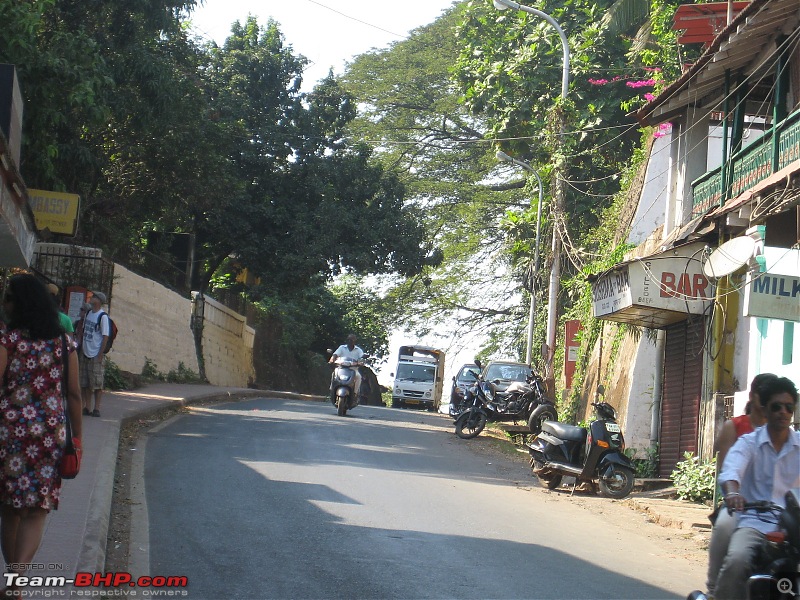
(775,386)
(32,310)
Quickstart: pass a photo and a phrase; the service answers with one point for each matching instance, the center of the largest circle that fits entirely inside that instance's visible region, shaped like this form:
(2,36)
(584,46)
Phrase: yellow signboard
(55,211)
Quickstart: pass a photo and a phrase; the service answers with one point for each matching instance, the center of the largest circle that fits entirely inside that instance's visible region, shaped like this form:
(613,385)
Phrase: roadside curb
(92,555)
(674,514)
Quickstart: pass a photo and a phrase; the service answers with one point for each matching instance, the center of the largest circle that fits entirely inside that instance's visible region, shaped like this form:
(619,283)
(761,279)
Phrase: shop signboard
(55,211)
(671,282)
(772,296)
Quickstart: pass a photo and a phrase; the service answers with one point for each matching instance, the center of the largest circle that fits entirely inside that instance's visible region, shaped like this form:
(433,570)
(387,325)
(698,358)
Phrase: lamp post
(502,156)
(557,194)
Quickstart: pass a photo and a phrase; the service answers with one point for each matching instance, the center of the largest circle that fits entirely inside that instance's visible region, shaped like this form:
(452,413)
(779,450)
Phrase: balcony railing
(749,166)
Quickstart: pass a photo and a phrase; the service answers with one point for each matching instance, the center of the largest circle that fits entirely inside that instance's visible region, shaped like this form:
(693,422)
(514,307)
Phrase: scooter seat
(562,431)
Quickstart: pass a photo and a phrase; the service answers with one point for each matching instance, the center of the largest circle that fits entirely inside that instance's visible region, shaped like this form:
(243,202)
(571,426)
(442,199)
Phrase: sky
(327,32)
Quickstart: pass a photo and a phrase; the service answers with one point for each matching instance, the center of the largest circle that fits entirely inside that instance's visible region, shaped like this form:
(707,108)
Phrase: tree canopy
(161,132)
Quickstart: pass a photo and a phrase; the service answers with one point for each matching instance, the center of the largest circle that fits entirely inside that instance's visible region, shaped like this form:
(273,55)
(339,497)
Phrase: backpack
(112,330)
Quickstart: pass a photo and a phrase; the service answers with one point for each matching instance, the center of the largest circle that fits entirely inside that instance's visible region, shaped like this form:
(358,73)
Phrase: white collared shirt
(355,354)
(763,473)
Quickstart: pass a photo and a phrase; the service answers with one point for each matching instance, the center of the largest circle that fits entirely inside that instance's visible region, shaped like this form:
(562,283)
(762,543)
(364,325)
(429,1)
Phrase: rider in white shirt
(353,352)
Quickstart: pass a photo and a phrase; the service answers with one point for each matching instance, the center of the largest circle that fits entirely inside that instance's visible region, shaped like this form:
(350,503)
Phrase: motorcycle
(343,381)
(520,402)
(774,572)
(589,455)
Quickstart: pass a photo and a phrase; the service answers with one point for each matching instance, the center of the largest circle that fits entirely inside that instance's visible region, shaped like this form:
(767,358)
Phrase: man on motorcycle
(761,466)
(732,429)
(353,352)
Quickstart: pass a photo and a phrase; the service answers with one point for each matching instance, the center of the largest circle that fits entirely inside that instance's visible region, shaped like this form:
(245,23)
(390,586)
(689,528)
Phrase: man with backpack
(96,331)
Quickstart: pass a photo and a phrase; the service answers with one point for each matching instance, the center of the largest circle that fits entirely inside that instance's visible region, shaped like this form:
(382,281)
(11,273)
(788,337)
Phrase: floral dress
(32,431)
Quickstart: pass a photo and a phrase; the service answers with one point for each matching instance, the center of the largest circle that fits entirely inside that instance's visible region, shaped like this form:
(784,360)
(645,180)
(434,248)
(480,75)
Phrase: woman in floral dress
(32,431)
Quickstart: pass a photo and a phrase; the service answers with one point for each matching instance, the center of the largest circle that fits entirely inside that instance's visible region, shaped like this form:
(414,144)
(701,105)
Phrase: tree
(410,109)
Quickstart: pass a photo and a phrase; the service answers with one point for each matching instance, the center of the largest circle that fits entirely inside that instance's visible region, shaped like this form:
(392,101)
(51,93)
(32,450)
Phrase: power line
(358,20)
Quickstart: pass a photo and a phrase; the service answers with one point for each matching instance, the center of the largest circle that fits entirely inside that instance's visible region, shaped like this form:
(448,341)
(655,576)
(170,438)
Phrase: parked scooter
(343,395)
(520,402)
(593,455)
(775,567)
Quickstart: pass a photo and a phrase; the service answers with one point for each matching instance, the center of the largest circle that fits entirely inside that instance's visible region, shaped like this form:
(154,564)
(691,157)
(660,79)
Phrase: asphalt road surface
(283,499)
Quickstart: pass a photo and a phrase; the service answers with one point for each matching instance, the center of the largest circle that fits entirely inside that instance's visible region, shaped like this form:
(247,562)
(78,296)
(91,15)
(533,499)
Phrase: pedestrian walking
(63,318)
(91,357)
(32,418)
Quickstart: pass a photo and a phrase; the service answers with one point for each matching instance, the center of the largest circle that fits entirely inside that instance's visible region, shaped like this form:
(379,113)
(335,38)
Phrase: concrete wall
(227,344)
(153,322)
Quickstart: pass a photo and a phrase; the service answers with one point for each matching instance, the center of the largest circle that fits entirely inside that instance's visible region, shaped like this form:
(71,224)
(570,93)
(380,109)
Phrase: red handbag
(71,459)
(70,463)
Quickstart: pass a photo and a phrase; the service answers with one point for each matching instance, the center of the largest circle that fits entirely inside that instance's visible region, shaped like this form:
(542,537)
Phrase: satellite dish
(732,255)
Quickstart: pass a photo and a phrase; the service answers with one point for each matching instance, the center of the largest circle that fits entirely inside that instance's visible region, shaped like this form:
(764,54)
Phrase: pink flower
(641,83)
(649,97)
(598,81)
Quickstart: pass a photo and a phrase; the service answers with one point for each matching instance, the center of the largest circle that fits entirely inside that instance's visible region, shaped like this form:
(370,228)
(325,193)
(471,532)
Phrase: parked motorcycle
(592,455)
(775,567)
(343,381)
(520,402)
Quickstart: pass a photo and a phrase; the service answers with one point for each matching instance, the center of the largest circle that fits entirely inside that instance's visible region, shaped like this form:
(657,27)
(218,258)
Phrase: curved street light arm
(503,4)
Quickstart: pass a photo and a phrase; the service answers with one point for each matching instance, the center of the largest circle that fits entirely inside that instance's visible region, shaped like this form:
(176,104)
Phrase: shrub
(150,371)
(183,375)
(647,467)
(694,479)
(113,378)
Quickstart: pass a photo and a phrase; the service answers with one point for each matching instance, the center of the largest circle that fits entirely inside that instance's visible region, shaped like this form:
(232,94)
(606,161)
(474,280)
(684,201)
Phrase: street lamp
(502,156)
(557,194)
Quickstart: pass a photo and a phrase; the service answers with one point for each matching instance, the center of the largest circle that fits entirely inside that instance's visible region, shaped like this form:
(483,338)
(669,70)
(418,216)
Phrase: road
(280,498)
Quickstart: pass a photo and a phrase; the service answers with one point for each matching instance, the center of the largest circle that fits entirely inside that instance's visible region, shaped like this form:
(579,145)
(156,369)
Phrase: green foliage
(150,371)
(694,479)
(113,378)
(183,375)
(647,467)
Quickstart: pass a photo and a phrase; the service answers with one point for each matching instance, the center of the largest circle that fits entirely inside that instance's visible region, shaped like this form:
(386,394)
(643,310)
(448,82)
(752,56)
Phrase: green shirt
(66,322)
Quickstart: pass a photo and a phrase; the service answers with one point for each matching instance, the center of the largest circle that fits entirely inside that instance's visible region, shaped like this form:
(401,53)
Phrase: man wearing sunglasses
(762,465)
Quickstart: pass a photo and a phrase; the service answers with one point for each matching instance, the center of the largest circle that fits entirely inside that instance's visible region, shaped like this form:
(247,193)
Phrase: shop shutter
(680,404)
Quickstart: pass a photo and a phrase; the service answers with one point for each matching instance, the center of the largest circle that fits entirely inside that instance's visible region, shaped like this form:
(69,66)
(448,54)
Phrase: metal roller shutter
(680,405)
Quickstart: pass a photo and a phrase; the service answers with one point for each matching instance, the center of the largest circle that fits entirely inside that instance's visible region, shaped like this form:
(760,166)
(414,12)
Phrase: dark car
(503,373)
(462,381)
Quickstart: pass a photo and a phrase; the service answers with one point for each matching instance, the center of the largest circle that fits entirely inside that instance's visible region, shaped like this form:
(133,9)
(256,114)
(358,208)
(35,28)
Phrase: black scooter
(593,455)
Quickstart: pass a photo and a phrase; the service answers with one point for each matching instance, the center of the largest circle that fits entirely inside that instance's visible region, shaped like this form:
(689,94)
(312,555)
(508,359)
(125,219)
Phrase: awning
(654,291)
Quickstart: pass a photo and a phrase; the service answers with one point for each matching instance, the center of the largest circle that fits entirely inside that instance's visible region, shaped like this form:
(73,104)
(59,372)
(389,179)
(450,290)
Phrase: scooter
(775,567)
(343,381)
(593,455)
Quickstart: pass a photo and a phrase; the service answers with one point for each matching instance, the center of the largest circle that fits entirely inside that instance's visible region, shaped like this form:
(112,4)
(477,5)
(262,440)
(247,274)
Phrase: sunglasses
(777,406)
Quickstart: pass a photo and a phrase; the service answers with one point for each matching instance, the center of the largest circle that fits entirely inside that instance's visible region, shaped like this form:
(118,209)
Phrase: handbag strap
(65,389)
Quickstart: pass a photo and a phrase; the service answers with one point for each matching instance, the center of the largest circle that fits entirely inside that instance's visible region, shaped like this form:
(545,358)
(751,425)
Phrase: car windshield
(420,373)
(468,374)
(507,372)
